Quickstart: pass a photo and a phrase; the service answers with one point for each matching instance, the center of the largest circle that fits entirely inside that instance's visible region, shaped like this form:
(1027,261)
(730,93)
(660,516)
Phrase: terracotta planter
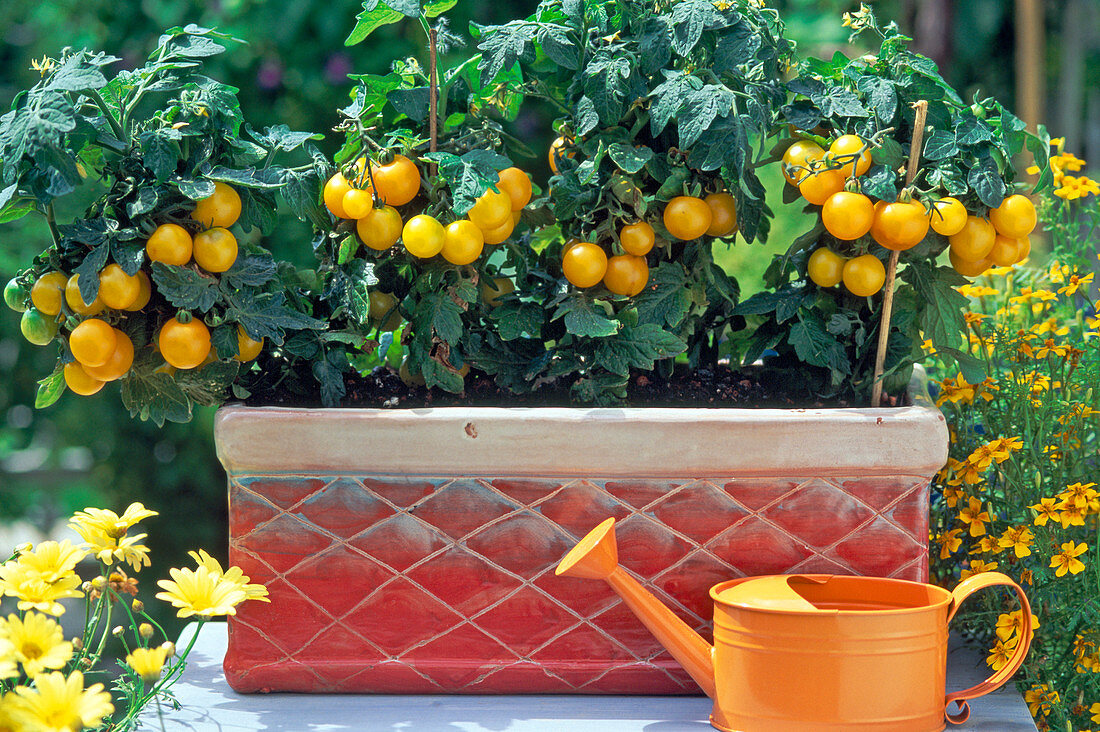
(413,550)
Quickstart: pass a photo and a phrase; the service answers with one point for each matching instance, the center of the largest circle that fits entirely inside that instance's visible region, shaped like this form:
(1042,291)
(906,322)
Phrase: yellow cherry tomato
(500,233)
(626,274)
(383,310)
(585,263)
(184,345)
(863,275)
(637,238)
(847,215)
(78,380)
(1005,251)
(687,217)
(556,151)
(1025,248)
(335,188)
(117,289)
(948,216)
(397,182)
(968,268)
(247,348)
(825,267)
(76,301)
(517,185)
(491,210)
(37,328)
(817,187)
(974,242)
(380,228)
(1015,217)
(357,203)
(423,236)
(92,342)
(169,244)
(850,145)
(145,292)
(216,249)
(462,242)
(797,159)
(494,289)
(122,358)
(723,214)
(222,208)
(900,225)
(48,292)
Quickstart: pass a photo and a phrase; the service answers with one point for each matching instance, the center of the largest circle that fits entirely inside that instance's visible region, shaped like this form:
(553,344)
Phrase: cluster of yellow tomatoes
(373,193)
(975,243)
(105,353)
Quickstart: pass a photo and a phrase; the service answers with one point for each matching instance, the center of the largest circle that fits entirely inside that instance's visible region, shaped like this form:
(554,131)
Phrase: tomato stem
(432,97)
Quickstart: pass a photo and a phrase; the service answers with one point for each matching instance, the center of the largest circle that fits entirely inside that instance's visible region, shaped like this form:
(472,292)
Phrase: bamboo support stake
(921,109)
(433,93)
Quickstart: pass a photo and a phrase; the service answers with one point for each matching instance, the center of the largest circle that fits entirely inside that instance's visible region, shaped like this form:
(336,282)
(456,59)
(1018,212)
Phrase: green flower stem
(96,97)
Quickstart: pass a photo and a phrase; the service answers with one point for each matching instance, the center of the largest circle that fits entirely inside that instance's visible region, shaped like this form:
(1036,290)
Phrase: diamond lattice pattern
(399,584)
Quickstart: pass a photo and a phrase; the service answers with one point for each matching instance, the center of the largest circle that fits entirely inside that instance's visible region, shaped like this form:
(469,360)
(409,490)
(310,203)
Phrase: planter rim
(598,442)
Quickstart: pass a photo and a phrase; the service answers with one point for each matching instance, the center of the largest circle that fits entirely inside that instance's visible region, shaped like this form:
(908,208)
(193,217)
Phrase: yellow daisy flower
(198,592)
(233,574)
(34,590)
(109,522)
(52,560)
(148,662)
(8,668)
(37,641)
(58,702)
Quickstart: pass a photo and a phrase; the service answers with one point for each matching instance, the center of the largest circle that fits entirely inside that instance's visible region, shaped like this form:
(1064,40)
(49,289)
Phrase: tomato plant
(173,166)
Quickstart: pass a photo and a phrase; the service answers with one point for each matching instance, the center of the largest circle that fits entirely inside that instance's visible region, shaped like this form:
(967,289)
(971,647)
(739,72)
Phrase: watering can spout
(596,557)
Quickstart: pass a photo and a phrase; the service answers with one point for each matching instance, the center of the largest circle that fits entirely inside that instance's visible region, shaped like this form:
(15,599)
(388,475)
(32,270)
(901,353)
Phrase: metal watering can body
(813,652)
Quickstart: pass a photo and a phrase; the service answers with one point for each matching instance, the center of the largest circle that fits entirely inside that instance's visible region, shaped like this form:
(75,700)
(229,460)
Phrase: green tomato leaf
(436,374)
(438,313)
(940,145)
(985,179)
(50,388)
(77,73)
(583,318)
(971,131)
(516,319)
(413,103)
(629,158)
(268,178)
(880,182)
(941,319)
(184,287)
(815,345)
(666,299)
(881,94)
(637,347)
(267,316)
(724,143)
(373,16)
(689,19)
(432,8)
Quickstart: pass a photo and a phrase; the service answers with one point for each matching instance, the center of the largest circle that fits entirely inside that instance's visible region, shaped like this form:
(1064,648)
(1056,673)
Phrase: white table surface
(209,705)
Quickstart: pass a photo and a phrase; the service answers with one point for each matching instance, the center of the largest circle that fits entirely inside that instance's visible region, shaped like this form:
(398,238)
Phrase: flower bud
(145,630)
(117,631)
(24,547)
(78,643)
(169,649)
(99,582)
(138,606)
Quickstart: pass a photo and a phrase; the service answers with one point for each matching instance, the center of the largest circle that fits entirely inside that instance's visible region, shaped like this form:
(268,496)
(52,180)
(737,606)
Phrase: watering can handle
(965,589)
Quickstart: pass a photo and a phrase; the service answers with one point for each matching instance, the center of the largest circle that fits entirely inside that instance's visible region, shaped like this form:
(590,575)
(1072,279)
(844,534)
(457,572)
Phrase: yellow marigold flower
(998,450)
(1039,699)
(1074,284)
(1027,294)
(1046,509)
(974,318)
(233,574)
(976,291)
(955,390)
(1067,561)
(147,663)
(35,591)
(988,544)
(927,346)
(974,517)
(1009,624)
(1050,347)
(1018,539)
(1071,515)
(1074,188)
(58,702)
(977,566)
(999,271)
(952,495)
(52,560)
(1094,710)
(1054,326)
(109,522)
(949,542)
(1079,494)
(198,592)
(37,642)
(1069,161)
(1000,653)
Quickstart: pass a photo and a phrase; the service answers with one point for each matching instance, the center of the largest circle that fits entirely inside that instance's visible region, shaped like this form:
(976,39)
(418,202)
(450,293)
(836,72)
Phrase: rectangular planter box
(413,550)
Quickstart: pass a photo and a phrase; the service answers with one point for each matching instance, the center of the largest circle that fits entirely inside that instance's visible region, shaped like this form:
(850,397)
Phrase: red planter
(413,551)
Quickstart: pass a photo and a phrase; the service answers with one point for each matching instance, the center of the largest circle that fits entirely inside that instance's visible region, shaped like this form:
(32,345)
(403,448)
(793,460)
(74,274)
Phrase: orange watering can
(794,653)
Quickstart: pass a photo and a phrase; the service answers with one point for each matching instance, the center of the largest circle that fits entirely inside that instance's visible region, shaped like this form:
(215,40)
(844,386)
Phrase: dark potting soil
(720,387)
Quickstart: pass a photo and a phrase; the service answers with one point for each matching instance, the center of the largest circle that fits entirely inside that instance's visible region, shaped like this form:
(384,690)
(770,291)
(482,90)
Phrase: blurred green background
(1042,59)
